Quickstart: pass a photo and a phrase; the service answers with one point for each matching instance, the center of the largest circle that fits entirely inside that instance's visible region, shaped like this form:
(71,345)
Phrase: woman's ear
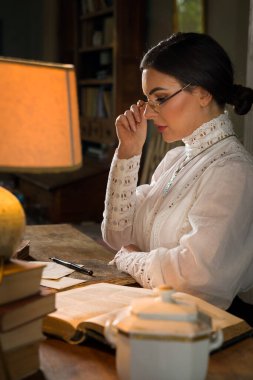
(204,97)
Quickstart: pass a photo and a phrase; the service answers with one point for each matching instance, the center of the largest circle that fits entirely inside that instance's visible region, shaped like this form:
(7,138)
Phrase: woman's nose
(149,113)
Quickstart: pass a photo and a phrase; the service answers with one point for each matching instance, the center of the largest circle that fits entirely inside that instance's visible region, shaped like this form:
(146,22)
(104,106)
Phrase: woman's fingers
(141,106)
(136,112)
(132,117)
(131,120)
(131,131)
(122,120)
(141,103)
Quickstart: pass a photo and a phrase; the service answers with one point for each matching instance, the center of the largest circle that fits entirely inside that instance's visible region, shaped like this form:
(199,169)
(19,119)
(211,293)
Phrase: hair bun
(241,98)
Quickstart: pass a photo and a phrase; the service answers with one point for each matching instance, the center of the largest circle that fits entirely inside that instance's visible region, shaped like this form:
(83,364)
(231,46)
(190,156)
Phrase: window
(188,16)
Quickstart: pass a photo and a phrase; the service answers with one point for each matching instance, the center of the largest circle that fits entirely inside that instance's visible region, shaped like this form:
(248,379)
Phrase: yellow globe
(12,223)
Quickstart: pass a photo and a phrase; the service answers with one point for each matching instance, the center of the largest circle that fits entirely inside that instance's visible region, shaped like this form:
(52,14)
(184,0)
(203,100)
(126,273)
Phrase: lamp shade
(39,127)
(39,120)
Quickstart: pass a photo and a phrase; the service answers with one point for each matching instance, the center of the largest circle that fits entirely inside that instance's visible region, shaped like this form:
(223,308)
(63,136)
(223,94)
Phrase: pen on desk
(78,268)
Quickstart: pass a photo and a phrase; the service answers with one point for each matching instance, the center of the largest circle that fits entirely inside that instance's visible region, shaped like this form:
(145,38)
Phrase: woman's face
(179,116)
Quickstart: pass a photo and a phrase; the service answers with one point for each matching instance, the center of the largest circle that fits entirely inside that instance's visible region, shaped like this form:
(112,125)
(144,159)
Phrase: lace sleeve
(133,263)
(120,193)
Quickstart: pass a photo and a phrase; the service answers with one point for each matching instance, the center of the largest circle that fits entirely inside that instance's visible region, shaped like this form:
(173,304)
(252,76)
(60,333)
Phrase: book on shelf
(107,94)
(83,312)
(96,102)
(20,362)
(108,30)
(100,108)
(20,279)
(14,314)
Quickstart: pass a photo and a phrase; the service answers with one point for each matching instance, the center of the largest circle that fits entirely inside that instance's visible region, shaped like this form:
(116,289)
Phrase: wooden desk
(68,243)
(62,361)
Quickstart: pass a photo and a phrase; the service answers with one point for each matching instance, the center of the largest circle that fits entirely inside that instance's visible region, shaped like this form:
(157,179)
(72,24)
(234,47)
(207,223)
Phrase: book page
(231,325)
(80,304)
(220,318)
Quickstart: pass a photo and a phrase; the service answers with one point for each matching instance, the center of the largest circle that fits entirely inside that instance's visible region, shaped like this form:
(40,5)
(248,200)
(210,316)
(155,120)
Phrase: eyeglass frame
(155,104)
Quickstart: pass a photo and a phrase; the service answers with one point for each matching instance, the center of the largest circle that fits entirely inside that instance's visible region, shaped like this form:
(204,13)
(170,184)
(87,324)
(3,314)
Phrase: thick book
(19,279)
(20,362)
(19,312)
(27,333)
(83,312)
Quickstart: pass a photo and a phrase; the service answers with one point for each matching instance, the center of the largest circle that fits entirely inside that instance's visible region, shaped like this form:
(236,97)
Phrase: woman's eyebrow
(157,89)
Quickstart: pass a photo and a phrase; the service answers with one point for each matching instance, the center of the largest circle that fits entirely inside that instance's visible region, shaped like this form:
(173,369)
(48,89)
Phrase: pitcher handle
(216,340)
(110,329)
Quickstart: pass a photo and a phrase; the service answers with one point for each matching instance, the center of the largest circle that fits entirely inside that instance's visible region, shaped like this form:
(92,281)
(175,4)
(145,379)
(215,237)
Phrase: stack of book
(23,305)
(96,102)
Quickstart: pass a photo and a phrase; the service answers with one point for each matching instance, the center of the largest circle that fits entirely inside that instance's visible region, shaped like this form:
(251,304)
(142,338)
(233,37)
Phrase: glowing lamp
(40,133)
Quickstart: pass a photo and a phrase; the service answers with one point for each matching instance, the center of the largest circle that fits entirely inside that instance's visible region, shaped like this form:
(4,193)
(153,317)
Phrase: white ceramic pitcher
(159,338)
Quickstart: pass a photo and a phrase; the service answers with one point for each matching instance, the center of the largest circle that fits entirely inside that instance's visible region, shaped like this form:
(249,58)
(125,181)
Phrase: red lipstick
(161,128)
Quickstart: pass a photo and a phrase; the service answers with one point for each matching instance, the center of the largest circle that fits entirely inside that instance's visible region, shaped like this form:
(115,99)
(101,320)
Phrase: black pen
(78,268)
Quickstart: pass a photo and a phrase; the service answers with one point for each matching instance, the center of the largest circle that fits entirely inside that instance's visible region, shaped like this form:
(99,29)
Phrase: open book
(84,311)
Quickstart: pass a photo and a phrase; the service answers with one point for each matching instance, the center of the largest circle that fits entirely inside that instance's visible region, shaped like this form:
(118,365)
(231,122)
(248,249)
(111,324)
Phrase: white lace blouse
(193,223)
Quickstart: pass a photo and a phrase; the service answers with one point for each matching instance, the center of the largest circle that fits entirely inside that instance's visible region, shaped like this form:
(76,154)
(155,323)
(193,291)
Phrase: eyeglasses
(155,105)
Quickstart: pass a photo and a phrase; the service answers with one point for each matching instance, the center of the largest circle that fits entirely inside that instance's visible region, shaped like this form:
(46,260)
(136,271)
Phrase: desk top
(62,361)
(69,243)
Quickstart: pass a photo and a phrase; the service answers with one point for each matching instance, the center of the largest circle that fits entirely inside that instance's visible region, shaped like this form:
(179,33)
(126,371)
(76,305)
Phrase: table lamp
(39,126)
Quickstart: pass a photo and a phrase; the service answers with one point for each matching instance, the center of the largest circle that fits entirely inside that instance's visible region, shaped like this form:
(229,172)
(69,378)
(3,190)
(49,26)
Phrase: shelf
(98,129)
(107,63)
(88,49)
(94,82)
(105,47)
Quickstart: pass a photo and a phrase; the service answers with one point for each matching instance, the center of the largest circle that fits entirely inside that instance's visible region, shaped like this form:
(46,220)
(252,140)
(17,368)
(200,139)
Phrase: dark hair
(198,59)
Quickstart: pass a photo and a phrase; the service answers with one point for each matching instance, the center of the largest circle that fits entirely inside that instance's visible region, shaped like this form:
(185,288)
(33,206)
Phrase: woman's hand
(131,128)
(131,248)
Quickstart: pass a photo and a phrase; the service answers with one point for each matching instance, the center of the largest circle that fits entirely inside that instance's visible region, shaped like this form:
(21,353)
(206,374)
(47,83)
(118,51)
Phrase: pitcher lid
(164,307)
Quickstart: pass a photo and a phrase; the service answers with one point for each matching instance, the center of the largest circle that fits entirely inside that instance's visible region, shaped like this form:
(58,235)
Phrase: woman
(192,226)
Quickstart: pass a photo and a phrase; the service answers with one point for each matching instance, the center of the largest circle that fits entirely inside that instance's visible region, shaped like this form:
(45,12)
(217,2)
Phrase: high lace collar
(208,134)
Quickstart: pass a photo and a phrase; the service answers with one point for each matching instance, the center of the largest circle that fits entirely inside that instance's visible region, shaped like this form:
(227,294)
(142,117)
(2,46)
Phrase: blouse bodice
(197,236)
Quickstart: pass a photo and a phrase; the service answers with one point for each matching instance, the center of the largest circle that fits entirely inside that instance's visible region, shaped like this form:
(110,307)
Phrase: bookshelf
(104,39)
(109,45)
